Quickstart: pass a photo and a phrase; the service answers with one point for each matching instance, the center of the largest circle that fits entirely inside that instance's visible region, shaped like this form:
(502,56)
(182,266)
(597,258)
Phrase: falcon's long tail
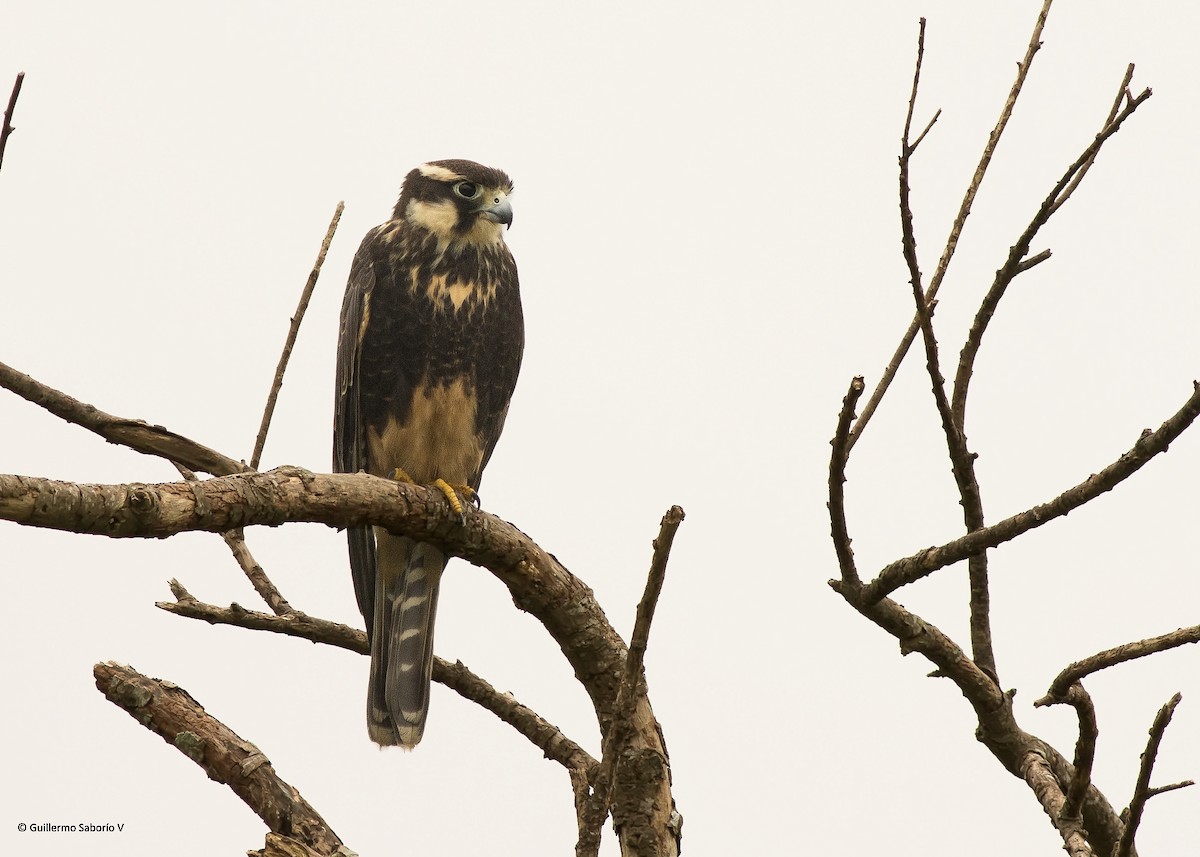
(407,574)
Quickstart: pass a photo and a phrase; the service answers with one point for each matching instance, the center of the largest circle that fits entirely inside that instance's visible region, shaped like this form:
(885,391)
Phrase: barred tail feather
(407,575)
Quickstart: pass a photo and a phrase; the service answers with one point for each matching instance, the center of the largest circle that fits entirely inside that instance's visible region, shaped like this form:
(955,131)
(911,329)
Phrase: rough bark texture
(538,583)
(182,722)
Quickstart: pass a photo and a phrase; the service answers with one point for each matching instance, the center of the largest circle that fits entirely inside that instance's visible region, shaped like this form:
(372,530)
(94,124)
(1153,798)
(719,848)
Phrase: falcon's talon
(399,475)
(451,493)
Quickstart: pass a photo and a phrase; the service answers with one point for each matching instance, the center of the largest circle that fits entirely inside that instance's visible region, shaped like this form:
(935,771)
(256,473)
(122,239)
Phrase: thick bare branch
(293,330)
(1119,655)
(169,711)
(538,583)
(545,736)
(1142,791)
(925,562)
(135,434)
(1040,776)
(998,729)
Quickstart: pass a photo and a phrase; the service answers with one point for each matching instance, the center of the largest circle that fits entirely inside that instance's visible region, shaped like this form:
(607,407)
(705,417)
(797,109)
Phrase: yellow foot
(450,492)
(452,496)
(400,475)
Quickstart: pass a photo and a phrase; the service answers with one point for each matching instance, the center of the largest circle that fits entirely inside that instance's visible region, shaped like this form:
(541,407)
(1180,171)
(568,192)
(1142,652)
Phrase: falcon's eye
(467,190)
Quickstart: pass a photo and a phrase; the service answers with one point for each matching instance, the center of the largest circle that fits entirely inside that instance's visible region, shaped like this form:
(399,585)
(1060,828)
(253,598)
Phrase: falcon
(428,355)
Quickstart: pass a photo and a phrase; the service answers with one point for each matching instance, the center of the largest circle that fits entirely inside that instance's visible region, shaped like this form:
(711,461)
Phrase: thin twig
(7,128)
(1123,94)
(956,228)
(169,711)
(1016,261)
(962,462)
(1142,791)
(235,540)
(912,98)
(633,677)
(925,562)
(544,735)
(1119,655)
(1158,790)
(305,296)
(135,434)
(837,480)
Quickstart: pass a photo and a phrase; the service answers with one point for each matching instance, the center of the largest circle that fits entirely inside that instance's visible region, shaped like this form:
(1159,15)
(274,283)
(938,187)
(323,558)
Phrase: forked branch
(925,562)
(964,210)
(1142,792)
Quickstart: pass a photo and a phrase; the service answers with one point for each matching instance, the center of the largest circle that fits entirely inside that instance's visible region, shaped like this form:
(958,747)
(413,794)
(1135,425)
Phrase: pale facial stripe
(433,171)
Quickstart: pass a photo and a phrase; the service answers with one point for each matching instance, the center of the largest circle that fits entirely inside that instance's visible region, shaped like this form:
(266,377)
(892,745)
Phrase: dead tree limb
(538,583)
(293,331)
(7,127)
(541,733)
(170,712)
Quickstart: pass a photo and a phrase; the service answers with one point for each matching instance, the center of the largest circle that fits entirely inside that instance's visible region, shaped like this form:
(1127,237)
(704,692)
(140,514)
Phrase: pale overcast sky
(707,234)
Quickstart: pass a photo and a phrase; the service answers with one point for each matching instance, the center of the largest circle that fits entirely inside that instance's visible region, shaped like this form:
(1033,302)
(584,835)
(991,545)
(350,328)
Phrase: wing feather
(349,429)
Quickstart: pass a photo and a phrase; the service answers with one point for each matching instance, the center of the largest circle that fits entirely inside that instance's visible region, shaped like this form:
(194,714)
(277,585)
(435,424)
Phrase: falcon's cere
(428,355)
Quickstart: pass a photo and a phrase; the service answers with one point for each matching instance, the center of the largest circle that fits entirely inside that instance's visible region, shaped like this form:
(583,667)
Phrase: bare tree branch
(989,149)
(925,562)
(169,711)
(135,434)
(1142,791)
(1085,749)
(7,128)
(538,583)
(235,540)
(546,737)
(837,479)
(1119,655)
(1016,261)
(305,296)
(998,729)
(1123,95)
(1040,776)
(633,679)
(962,462)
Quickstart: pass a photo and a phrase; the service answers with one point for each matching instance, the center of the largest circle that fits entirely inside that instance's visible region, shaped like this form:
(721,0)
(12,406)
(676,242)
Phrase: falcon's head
(457,201)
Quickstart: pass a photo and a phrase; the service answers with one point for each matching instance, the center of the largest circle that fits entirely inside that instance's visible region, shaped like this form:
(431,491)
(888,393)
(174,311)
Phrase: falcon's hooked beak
(501,212)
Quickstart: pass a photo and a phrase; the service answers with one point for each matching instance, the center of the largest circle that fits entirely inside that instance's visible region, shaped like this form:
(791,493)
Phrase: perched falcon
(428,355)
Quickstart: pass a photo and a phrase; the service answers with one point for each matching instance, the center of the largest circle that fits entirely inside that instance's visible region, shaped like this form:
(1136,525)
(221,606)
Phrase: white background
(707,233)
